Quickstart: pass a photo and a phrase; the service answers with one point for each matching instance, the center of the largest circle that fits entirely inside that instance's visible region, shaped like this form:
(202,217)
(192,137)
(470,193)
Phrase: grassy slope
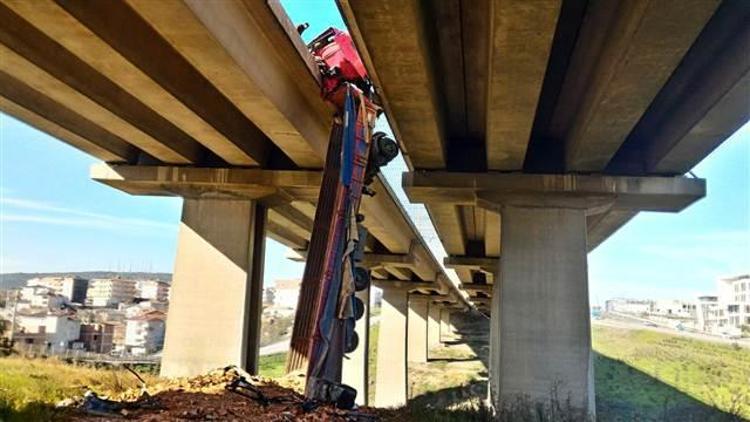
(655,374)
(639,374)
(27,387)
(272,366)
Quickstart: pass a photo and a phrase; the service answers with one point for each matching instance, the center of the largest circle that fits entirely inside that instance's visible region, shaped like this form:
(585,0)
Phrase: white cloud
(44,213)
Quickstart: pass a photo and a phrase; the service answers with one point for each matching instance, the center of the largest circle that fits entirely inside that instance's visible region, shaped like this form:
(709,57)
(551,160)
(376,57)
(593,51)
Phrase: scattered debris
(99,406)
(228,394)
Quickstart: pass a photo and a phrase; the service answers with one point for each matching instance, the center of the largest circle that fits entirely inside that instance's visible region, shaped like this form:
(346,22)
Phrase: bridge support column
(541,309)
(355,372)
(418,314)
(433,325)
(215,307)
(446,334)
(391,377)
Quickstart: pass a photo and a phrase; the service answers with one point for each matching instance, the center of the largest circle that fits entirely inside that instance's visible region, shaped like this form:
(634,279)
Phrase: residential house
(109,292)
(144,334)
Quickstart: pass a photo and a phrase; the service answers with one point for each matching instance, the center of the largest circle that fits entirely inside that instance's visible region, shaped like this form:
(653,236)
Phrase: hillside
(13,280)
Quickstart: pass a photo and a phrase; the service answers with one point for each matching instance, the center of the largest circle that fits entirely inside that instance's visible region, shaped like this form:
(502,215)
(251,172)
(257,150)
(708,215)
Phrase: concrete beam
(399,273)
(390,38)
(192,182)
(295,217)
(704,102)
(484,301)
(417,261)
(79,39)
(69,81)
(424,264)
(614,75)
(380,260)
(235,138)
(386,219)
(484,264)
(520,42)
(669,194)
(39,111)
(215,306)
(447,222)
(370,260)
(405,285)
(248,55)
(281,233)
(475,288)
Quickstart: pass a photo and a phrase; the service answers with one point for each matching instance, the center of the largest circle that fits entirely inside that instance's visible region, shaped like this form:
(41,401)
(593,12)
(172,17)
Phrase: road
(273,348)
(698,336)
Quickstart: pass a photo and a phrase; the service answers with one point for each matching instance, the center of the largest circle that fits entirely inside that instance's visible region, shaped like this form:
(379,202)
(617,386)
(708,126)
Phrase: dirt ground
(207,398)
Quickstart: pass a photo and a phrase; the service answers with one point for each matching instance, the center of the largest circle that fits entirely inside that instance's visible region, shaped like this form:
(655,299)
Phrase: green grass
(30,388)
(661,376)
(640,375)
(372,361)
(272,366)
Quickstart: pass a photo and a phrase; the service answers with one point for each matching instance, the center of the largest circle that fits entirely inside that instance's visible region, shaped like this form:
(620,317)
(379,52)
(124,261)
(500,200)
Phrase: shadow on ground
(33,411)
(623,393)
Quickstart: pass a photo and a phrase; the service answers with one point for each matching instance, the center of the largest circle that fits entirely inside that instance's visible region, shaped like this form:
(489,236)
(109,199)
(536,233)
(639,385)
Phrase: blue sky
(54,218)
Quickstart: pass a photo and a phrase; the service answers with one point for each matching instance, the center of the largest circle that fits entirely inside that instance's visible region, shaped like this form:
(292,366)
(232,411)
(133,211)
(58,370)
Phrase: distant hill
(13,280)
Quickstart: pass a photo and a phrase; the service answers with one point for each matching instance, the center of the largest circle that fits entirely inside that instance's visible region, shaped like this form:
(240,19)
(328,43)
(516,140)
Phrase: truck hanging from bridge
(354,157)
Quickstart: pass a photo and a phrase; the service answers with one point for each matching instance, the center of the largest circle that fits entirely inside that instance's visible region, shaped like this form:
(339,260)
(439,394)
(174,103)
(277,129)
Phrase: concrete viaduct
(533,130)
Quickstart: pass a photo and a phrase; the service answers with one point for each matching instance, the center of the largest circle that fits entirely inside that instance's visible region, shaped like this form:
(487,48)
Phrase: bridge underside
(219,103)
(533,130)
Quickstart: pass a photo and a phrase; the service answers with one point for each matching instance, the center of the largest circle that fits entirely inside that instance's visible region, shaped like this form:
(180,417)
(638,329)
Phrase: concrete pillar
(543,308)
(445,325)
(391,378)
(417,346)
(433,325)
(355,370)
(215,308)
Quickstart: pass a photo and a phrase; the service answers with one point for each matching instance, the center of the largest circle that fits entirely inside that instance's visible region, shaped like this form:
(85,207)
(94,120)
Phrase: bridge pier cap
(541,338)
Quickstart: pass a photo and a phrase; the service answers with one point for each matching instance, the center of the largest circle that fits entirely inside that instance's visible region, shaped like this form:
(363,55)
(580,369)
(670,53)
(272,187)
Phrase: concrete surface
(418,316)
(391,378)
(544,328)
(215,306)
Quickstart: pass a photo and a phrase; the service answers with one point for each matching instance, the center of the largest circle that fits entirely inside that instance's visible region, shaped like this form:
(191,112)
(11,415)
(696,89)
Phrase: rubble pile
(224,395)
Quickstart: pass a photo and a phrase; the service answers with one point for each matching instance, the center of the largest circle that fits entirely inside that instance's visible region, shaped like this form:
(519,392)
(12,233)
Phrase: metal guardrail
(90,357)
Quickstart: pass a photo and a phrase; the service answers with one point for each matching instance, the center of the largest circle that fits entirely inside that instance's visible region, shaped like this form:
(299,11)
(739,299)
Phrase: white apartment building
(733,310)
(705,313)
(73,288)
(286,293)
(51,332)
(152,290)
(108,292)
(37,297)
(674,308)
(629,306)
(143,307)
(144,334)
